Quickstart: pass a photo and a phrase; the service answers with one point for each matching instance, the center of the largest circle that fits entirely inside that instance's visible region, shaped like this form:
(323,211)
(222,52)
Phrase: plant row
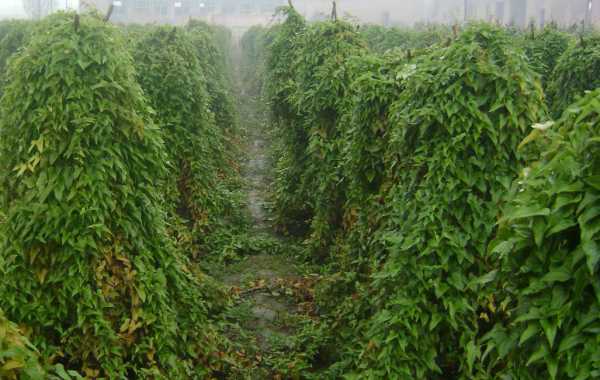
(117,165)
(450,186)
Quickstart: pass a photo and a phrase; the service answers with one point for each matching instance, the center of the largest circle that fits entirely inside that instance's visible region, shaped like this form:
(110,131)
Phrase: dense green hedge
(212,46)
(320,86)
(544,48)
(292,212)
(381,39)
(252,60)
(455,131)
(577,71)
(399,164)
(14,35)
(548,247)
(200,185)
(18,358)
(87,264)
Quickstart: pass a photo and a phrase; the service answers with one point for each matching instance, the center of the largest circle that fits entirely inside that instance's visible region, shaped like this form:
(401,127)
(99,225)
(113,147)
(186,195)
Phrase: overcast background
(14,8)
(240,14)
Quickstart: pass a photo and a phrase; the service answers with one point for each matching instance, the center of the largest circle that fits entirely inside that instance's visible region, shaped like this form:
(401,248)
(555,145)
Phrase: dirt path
(261,281)
(255,175)
(272,290)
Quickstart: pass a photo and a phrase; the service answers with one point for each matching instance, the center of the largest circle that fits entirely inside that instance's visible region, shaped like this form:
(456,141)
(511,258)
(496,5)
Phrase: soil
(270,289)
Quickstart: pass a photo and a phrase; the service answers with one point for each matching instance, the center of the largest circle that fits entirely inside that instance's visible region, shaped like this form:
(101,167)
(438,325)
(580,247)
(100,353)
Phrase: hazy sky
(11,7)
(15,7)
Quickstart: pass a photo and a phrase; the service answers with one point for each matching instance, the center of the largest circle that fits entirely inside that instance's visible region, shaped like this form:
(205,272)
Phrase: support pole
(109,13)
(334,11)
(588,14)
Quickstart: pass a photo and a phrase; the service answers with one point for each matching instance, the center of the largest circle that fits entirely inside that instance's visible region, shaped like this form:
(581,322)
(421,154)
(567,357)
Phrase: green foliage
(252,61)
(200,186)
(18,358)
(292,210)
(381,39)
(452,154)
(577,71)
(366,122)
(545,48)
(233,246)
(321,80)
(211,46)
(87,264)
(14,35)
(281,55)
(404,160)
(548,246)
(365,134)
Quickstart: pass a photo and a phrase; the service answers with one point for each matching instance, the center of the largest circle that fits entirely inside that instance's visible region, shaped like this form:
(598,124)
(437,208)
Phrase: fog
(408,12)
(27,8)
(243,13)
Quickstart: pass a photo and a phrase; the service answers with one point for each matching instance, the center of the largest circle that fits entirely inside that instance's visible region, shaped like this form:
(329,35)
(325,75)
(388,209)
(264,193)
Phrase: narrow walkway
(272,291)
(255,175)
(260,281)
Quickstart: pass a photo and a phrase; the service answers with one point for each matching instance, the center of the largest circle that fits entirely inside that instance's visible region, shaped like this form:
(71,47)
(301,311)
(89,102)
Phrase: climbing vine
(401,160)
(544,48)
(548,248)
(576,72)
(87,265)
(14,35)
(201,183)
(440,182)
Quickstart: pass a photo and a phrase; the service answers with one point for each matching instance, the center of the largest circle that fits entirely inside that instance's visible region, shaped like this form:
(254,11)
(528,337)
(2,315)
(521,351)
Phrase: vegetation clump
(201,181)
(292,211)
(577,71)
(88,266)
(453,152)
(253,61)
(408,157)
(453,229)
(381,39)
(18,358)
(14,34)
(548,247)
(320,91)
(215,65)
(545,48)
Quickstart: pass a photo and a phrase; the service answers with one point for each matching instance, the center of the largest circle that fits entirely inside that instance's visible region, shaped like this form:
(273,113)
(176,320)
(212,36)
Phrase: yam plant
(18,358)
(320,90)
(212,57)
(452,155)
(14,35)
(293,212)
(366,122)
(577,71)
(252,63)
(381,39)
(548,245)
(365,128)
(545,48)
(199,187)
(88,267)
